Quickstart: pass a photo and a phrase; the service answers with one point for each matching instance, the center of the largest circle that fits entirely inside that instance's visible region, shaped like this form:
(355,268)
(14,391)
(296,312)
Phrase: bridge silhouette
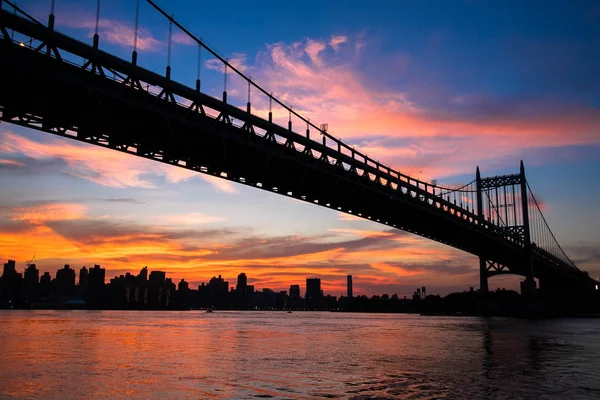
(54,83)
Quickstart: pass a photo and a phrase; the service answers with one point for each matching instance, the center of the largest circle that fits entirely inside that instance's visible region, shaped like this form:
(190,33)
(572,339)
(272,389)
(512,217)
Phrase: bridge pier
(483,276)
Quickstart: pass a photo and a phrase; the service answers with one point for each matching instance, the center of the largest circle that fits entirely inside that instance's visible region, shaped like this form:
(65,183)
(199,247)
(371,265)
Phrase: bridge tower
(503,201)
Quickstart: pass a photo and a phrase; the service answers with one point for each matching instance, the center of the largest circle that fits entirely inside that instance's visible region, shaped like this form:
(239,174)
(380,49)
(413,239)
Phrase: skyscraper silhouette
(65,281)
(83,279)
(313,293)
(349,286)
(295,291)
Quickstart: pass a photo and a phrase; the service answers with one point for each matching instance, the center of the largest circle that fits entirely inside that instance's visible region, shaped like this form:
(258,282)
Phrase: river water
(198,355)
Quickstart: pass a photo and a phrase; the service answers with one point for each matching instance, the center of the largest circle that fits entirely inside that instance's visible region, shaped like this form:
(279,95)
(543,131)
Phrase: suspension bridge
(63,86)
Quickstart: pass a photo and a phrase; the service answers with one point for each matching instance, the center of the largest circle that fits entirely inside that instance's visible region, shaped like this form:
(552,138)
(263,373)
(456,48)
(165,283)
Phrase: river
(302,355)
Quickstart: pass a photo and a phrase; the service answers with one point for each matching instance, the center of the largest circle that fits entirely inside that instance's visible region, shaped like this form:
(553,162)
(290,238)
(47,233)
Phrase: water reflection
(99,354)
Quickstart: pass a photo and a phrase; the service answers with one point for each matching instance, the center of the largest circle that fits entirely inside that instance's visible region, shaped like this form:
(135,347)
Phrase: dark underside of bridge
(42,92)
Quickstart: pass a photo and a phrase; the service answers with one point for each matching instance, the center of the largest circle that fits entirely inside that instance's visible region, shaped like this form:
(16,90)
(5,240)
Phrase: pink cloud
(336,41)
(313,48)
(238,60)
(395,130)
(182,38)
(113,31)
(103,166)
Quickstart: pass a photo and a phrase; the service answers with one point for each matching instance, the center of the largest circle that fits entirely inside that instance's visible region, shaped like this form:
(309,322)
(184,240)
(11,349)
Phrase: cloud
(182,38)
(184,246)
(189,219)
(336,41)
(12,163)
(238,60)
(49,212)
(441,133)
(221,184)
(103,166)
(124,200)
(361,233)
(313,48)
(114,31)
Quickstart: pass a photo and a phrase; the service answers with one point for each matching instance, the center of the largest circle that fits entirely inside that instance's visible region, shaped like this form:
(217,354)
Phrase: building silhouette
(10,286)
(45,288)
(95,286)
(313,293)
(218,290)
(156,291)
(31,279)
(83,280)
(349,286)
(294,291)
(241,291)
(65,282)
(96,278)
(143,276)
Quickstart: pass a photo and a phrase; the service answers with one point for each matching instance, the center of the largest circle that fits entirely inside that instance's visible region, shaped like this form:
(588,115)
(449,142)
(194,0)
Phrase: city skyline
(68,201)
(81,277)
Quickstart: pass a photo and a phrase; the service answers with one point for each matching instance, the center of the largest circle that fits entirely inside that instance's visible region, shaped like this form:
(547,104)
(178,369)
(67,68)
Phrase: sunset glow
(411,101)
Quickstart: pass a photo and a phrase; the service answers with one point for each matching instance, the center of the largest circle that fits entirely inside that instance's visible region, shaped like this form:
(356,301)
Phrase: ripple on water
(293,356)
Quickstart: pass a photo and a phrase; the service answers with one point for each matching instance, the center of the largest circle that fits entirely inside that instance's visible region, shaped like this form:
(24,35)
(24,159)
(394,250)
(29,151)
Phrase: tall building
(31,279)
(143,276)
(242,283)
(83,279)
(9,268)
(241,291)
(218,289)
(295,291)
(183,286)
(10,286)
(349,286)
(313,288)
(65,281)
(157,277)
(313,293)
(96,278)
(32,275)
(45,282)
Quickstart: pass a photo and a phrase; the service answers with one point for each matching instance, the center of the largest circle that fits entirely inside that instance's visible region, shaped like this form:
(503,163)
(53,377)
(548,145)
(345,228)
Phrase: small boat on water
(209,310)
(289,312)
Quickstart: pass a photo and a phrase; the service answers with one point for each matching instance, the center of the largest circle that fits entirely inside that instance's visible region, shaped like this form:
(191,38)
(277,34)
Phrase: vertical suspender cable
(169,50)
(505,208)
(51,17)
(225,82)
(248,109)
(198,68)
(96,37)
(135,32)
(514,205)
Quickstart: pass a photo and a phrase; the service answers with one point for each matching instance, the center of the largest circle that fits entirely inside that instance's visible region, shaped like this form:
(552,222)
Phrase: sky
(431,88)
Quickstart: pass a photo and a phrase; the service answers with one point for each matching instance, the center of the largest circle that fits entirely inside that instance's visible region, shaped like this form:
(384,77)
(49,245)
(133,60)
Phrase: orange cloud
(396,270)
(361,233)
(12,162)
(102,166)
(49,212)
(63,234)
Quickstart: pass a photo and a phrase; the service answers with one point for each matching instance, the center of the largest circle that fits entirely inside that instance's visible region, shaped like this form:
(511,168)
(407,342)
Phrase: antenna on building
(28,263)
